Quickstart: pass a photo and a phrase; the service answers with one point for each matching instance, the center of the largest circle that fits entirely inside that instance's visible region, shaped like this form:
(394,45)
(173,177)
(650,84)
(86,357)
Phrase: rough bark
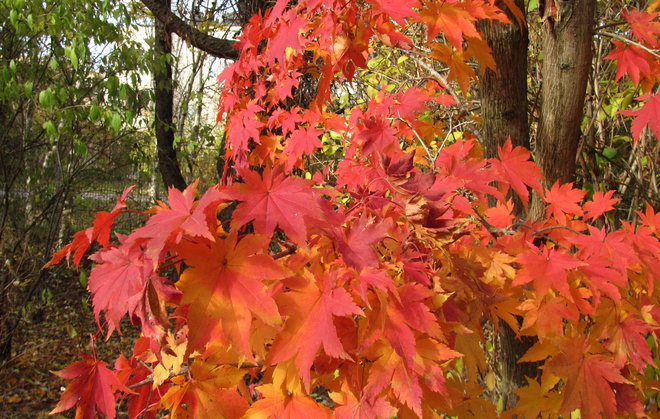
(168,165)
(503,97)
(566,64)
(504,93)
(218,47)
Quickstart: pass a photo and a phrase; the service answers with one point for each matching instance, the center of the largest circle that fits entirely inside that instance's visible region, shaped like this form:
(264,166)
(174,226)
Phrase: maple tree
(366,290)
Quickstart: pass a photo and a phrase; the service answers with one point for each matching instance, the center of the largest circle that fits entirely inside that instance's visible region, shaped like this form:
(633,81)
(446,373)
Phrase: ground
(50,338)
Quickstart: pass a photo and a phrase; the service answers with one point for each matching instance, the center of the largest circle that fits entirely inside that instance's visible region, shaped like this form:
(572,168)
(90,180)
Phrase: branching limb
(217,47)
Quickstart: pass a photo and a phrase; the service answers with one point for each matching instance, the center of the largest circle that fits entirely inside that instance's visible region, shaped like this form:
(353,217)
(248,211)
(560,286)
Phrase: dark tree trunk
(504,94)
(566,64)
(168,164)
(504,109)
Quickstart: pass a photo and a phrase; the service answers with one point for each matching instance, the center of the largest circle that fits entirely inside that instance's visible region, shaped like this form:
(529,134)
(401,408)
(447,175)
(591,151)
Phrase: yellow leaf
(286,377)
(540,351)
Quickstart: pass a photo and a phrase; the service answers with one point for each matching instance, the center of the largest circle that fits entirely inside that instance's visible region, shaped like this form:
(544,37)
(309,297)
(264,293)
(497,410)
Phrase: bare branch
(218,47)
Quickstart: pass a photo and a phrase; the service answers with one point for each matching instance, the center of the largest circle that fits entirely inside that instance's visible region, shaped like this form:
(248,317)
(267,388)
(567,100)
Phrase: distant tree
(69,100)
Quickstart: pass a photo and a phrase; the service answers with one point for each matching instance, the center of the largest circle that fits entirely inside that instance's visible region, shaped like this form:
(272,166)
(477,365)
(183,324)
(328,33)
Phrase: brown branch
(290,249)
(218,47)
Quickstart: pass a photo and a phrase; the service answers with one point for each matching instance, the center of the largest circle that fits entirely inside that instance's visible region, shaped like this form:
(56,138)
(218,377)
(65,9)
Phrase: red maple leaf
(588,379)
(303,141)
(243,126)
(100,231)
(501,215)
(516,167)
(103,220)
(627,340)
(92,388)
(364,408)
(627,403)
(407,312)
(562,200)
(599,204)
(391,371)
(648,114)
(546,268)
(378,136)
(412,101)
(644,25)
(131,372)
(184,215)
(485,10)
(311,306)
(548,315)
(286,40)
(355,244)
(651,219)
(396,9)
(210,392)
(273,199)
(285,85)
(632,60)
(124,281)
(285,119)
(479,49)
(455,59)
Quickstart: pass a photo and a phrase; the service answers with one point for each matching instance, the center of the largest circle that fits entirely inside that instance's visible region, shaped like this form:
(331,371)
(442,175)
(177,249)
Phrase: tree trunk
(504,109)
(504,94)
(168,164)
(566,65)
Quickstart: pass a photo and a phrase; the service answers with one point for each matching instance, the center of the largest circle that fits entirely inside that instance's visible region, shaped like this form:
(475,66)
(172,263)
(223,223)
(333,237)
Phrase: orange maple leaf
(310,306)
(588,379)
(210,392)
(452,19)
(275,404)
(546,268)
(225,288)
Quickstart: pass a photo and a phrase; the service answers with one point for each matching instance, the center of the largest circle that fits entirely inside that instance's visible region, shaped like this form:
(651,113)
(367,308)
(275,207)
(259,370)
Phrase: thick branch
(221,48)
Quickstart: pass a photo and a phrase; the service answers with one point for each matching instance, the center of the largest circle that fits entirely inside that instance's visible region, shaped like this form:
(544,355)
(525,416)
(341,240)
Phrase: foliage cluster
(366,289)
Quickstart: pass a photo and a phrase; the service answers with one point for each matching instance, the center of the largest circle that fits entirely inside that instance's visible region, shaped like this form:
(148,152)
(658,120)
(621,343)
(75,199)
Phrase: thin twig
(540,231)
(631,42)
(184,370)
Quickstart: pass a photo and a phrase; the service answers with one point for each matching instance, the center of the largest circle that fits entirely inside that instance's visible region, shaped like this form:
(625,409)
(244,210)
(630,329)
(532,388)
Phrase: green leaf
(115,123)
(80,148)
(47,296)
(532,5)
(71,331)
(70,53)
(50,129)
(94,113)
(609,153)
(46,99)
(13,17)
(83,278)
